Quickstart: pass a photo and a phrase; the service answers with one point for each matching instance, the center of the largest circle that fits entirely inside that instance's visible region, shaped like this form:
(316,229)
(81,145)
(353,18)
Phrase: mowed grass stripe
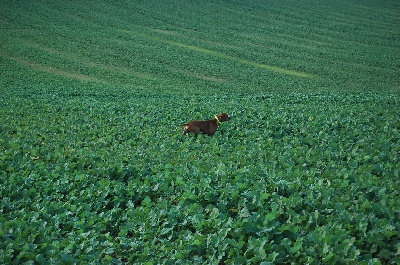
(330,41)
(97,69)
(88,63)
(226,56)
(51,70)
(252,63)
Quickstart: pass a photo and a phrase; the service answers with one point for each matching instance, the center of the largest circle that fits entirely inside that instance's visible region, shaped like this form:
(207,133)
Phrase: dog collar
(217,119)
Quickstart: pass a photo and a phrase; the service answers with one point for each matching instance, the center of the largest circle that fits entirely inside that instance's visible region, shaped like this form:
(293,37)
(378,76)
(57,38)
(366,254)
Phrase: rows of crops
(94,169)
(290,178)
(221,46)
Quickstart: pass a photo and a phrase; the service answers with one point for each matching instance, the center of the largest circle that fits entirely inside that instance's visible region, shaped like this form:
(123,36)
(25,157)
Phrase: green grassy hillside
(249,46)
(93,166)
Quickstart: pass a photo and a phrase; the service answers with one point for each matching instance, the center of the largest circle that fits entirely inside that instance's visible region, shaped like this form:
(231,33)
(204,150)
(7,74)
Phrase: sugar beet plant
(293,178)
(94,168)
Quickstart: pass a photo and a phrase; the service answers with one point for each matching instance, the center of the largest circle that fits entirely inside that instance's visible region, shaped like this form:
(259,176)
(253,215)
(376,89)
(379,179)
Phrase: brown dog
(208,127)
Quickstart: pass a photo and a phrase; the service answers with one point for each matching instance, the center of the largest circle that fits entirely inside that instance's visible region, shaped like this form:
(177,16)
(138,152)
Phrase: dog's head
(224,117)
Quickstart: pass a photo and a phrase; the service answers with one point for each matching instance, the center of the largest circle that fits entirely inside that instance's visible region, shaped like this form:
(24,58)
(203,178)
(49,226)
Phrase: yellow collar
(217,119)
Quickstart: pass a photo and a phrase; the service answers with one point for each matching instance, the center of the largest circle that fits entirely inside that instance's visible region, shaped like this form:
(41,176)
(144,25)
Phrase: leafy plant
(94,169)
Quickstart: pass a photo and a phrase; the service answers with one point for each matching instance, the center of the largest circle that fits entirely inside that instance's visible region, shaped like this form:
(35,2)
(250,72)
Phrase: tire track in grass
(244,61)
(52,70)
(89,63)
(74,58)
(272,68)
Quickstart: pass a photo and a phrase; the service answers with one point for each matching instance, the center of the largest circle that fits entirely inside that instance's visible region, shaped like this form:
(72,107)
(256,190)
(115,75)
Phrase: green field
(94,168)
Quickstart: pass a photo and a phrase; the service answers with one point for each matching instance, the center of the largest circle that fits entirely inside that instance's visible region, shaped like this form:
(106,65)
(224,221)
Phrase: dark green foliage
(94,169)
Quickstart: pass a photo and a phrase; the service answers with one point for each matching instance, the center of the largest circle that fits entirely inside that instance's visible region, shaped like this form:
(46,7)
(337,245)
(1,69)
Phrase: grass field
(93,166)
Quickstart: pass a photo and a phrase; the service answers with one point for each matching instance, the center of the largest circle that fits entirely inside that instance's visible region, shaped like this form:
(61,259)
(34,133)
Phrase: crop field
(94,168)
